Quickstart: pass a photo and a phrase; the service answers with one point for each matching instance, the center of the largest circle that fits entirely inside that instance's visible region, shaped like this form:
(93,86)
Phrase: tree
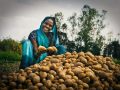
(64,27)
(73,21)
(61,27)
(10,45)
(58,19)
(90,24)
(113,49)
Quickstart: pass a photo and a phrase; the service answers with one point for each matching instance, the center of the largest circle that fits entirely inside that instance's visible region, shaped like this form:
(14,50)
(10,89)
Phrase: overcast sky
(19,17)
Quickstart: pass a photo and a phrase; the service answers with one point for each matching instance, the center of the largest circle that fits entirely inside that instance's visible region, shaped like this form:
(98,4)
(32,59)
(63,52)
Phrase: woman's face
(47,25)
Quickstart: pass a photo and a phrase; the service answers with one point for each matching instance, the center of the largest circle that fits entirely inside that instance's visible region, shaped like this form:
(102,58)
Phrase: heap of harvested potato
(70,71)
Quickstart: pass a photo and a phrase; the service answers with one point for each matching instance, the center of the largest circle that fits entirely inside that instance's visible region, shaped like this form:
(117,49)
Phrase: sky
(19,17)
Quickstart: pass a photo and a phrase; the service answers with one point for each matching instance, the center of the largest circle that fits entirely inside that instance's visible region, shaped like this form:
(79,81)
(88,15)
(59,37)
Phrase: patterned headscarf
(41,36)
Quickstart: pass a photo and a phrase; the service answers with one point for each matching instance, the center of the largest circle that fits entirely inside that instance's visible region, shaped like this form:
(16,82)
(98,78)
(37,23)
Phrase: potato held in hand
(55,49)
(52,50)
(41,49)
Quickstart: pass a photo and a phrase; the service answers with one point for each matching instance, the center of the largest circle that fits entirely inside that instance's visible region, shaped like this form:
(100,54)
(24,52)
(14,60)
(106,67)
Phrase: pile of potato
(70,71)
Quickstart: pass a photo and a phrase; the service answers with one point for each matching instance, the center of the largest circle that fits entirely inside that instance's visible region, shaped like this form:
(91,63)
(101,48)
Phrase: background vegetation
(85,33)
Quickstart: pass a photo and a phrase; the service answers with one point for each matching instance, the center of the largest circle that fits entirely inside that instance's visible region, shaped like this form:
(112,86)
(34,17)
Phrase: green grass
(9,55)
(9,61)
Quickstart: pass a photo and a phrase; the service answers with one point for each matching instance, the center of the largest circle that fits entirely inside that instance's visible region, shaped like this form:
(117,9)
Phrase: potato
(81,54)
(43,74)
(4,77)
(52,88)
(98,66)
(69,82)
(33,88)
(89,54)
(44,88)
(50,77)
(20,86)
(96,83)
(3,88)
(45,68)
(39,85)
(61,87)
(77,71)
(31,75)
(41,48)
(36,79)
(70,88)
(67,53)
(55,49)
(52,49)
(21,79)
(83,60)
(53,67)
(13,84)
(117,86)
(85,85)
(48,83)
(62,74)
(86,79)
(69,71)
(81,75)
(61,81)
(54,60)
(52,72)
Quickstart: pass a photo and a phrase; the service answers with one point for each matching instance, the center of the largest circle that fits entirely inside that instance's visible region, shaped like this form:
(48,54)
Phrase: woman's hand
(40,50)
(51,50)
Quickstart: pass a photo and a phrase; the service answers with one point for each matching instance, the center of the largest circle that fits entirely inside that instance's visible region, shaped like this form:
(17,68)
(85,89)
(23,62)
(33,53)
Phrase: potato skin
(69,71)
(41,48)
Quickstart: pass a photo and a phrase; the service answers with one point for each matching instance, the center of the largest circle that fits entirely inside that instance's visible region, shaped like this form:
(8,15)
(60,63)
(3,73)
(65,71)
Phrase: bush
(9,55)
(10,45)
(117,61)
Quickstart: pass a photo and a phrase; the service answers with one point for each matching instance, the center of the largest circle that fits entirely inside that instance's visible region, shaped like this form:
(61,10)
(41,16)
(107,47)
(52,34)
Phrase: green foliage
(117,61)
(90,24)
(10,45)
(64,26)
(9,55)
(95,48)
(58,18)
(85,30)
(113,49)
(72,19)
(70,46)
(10,50)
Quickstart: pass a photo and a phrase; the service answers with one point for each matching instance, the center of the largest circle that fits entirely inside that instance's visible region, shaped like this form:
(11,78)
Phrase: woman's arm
(35,48)
(32,38)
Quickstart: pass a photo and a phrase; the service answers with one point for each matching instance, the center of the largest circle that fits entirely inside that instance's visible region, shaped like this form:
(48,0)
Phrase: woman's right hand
(40,50)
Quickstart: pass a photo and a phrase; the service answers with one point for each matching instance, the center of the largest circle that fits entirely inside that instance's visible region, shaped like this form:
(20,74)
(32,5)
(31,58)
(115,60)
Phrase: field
(9,66)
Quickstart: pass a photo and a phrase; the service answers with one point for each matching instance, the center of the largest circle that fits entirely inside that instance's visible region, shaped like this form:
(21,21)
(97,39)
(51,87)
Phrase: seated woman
(45,36)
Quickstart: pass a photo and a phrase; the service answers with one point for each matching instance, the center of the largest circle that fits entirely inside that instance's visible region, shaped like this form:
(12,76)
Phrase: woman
(45,36)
